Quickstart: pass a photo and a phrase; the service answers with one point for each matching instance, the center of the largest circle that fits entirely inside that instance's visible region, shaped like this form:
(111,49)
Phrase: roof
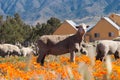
(111,22)
(89,28)
(117,14)
(73,24)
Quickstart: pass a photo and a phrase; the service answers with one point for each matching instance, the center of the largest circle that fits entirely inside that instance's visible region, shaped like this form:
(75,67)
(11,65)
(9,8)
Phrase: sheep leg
(24,54)
(9,53)
(41,58)
(100,55)
(116,55)
(105,53)
(42,61)
(77,46)
(72,56)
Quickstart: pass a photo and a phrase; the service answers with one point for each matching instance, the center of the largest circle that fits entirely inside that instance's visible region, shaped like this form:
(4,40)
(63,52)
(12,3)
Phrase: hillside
(32,11)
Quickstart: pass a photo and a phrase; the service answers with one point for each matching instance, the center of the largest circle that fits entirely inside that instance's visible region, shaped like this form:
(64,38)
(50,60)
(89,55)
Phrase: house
(106,28)
(115,18)
(67,27)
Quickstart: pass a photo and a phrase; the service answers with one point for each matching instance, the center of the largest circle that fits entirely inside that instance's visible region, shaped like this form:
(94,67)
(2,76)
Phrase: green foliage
(13,29)
(12,59)
(53,24)
(45,28)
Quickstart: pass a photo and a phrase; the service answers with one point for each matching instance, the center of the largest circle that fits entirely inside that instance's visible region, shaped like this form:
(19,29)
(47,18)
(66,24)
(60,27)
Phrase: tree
(45,28)
(13,29)
(53,23)
(1,20)
(18,19)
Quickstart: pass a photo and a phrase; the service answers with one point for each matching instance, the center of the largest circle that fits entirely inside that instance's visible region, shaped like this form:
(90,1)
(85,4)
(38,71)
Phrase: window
(96,35)
(111,34)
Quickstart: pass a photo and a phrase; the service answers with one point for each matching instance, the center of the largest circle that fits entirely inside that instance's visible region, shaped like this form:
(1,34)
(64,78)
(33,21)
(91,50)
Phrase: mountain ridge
(41,10)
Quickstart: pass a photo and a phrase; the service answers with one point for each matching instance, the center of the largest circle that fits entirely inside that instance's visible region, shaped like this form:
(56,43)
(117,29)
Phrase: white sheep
(3,50)
(27,51)
(107,47)
(9,49)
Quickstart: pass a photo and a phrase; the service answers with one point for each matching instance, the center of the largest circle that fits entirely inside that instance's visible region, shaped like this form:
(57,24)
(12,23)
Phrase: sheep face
(82,28)
(34,53)
(83,51)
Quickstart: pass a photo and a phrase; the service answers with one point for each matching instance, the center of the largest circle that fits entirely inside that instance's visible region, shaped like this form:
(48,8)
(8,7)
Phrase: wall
(64,29)
(103,27)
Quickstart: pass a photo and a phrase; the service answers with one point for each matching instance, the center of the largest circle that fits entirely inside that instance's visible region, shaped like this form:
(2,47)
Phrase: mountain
(33,11)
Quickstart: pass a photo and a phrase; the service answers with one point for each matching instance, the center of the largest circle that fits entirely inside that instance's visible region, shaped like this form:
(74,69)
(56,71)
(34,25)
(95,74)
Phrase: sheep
(9,49)
(83,50)
(58,44)
(26,51)
(55,39)
(13,49)
(107,47)
(3,50)
(90,49)
(49,40)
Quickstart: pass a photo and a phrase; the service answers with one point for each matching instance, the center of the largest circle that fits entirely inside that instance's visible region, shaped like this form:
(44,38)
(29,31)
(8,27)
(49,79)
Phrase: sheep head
(82,29)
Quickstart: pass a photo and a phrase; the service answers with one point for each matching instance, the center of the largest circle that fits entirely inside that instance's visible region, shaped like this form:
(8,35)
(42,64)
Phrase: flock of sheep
(61,44)
(14,50)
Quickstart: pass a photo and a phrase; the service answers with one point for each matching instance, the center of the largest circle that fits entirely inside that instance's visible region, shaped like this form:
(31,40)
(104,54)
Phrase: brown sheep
(107,47)
(58,45)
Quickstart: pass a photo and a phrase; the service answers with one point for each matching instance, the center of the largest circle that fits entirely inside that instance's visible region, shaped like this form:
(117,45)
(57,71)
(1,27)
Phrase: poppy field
(58,68)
